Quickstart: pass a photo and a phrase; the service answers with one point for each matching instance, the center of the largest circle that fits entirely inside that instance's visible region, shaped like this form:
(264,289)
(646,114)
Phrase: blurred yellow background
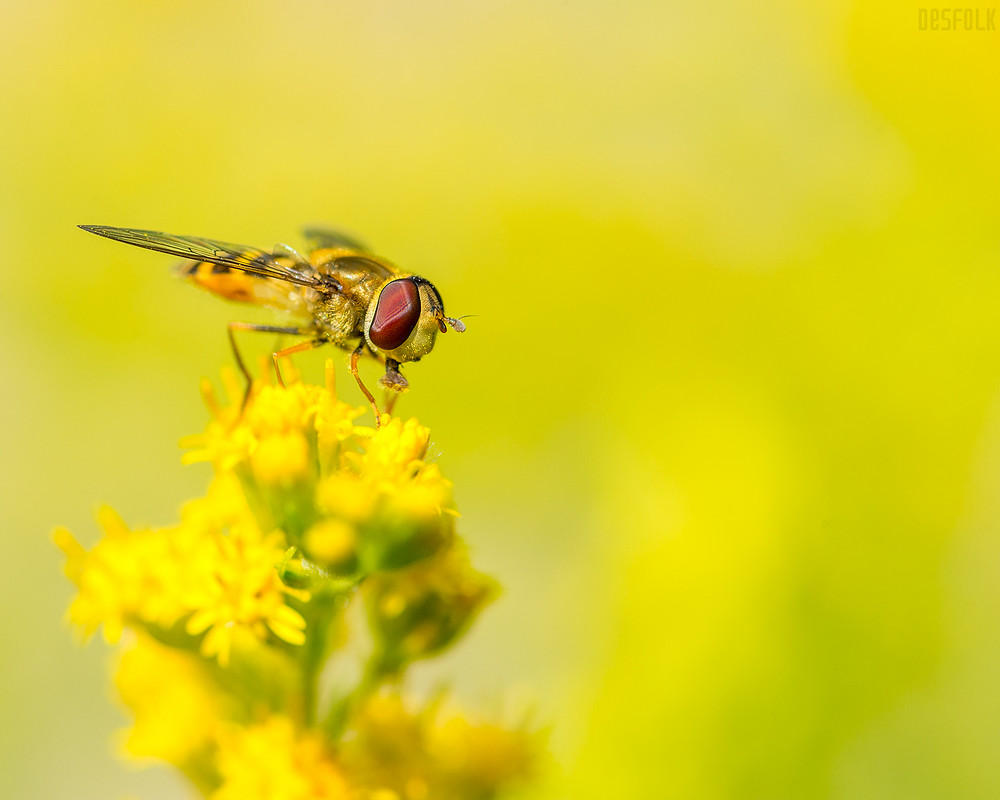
(725,424)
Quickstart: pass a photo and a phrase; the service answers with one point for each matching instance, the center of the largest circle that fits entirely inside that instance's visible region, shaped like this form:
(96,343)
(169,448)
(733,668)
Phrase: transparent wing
(247,259)
(321,236)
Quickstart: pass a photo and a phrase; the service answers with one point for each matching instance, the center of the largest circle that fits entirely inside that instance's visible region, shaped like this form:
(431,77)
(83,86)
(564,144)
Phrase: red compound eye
(396,314)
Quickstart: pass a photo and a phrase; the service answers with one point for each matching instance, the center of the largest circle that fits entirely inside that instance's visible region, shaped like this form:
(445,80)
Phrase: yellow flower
(335,420)
(395,448)
(125,577)
(399,506)
(280,432)
(420,755)
(347,496)
(237,609)
(385,751)
(281,458)
(237,587)
(216,569)
(273,761)
(333,542)
(416,612)
(474,759)
(234,434)
(177,707)
(225,442)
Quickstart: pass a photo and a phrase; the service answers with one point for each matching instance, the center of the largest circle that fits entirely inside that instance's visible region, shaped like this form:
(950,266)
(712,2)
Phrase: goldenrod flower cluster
(231,616)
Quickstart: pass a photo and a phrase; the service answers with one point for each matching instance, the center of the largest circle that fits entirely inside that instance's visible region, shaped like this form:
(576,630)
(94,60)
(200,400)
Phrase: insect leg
(250,326)
(394,382)
(295,348)
(393,378)
(354,371)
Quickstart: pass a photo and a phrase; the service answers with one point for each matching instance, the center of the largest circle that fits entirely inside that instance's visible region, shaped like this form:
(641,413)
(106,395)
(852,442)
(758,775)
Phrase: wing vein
(252,260)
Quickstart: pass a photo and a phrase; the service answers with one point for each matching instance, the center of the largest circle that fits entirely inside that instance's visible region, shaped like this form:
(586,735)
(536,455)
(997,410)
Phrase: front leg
(393,378)
(355,355)
(394,382)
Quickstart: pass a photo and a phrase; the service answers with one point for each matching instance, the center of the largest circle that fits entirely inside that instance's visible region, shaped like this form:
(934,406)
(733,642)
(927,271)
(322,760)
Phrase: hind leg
(250,326)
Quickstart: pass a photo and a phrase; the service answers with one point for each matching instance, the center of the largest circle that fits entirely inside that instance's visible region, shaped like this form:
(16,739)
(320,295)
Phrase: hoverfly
(343,294)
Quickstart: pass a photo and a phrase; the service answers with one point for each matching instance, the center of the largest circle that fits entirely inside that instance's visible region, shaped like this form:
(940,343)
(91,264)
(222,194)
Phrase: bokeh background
(725,424)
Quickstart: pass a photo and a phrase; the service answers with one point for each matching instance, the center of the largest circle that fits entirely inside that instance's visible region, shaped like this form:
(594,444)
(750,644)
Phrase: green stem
(377,671)
(323,609)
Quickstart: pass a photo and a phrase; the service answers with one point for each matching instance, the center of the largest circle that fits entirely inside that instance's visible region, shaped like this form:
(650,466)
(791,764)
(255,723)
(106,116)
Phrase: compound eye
(396,314)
